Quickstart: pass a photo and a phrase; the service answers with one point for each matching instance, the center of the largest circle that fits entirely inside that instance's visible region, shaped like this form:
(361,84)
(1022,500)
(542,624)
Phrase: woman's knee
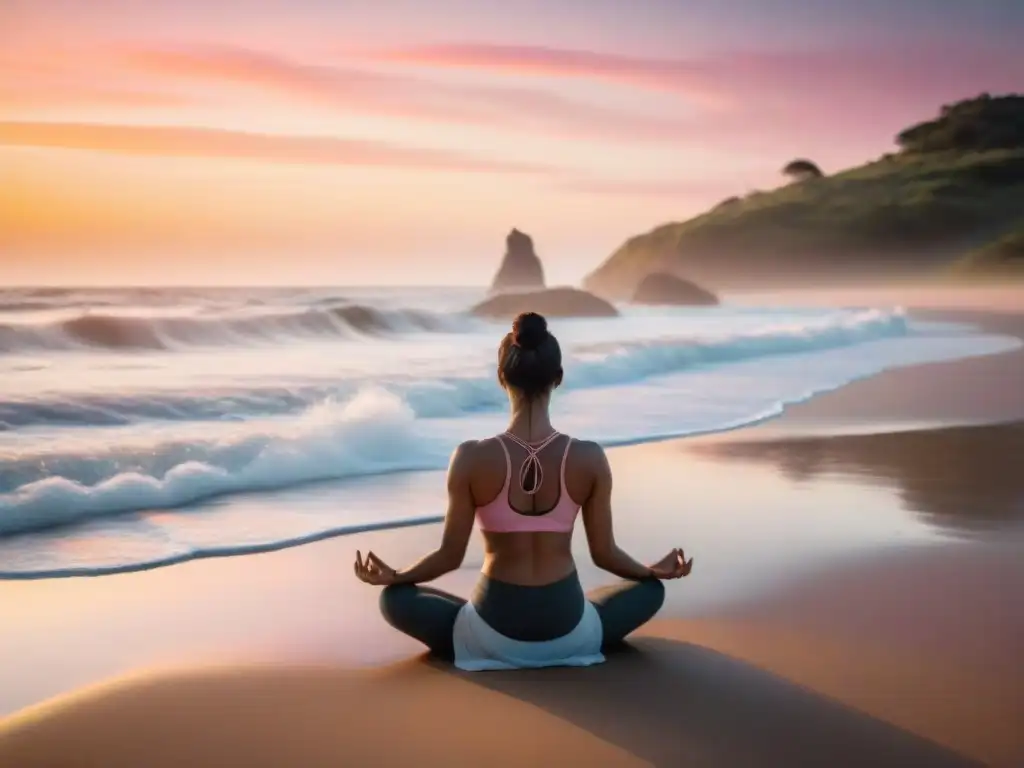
(425,614)
(653,591)
(395,603)
(627,606)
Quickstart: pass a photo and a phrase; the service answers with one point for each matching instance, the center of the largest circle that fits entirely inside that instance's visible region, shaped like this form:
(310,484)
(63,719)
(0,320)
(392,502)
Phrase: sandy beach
(855,601)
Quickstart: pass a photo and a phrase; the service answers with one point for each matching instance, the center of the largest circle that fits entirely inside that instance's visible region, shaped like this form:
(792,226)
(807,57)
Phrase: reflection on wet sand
(967,479)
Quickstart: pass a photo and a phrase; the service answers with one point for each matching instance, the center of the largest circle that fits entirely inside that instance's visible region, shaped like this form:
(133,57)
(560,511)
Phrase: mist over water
(115,403)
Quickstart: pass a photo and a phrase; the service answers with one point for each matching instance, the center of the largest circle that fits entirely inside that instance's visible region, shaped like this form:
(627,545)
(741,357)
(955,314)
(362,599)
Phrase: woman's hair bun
(529,358)
(529,330)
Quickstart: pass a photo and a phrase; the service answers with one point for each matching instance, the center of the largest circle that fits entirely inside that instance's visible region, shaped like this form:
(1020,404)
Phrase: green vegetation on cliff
(956,184)
(975,125)
(1002,258)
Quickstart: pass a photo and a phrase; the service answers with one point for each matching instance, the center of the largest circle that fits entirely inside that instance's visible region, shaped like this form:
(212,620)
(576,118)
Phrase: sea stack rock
(663,288)
(520,268)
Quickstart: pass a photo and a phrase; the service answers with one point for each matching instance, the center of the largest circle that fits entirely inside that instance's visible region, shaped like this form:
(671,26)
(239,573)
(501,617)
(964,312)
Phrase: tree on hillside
(801,170)
(974,125)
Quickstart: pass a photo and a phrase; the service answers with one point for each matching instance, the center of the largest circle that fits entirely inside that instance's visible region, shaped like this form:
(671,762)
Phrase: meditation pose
(525,488)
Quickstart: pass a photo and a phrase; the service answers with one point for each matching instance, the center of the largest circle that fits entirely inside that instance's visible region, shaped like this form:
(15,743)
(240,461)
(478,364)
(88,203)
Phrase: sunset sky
(397,141)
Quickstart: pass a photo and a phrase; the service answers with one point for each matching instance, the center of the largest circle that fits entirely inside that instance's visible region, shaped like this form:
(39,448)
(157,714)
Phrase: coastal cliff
(955,185)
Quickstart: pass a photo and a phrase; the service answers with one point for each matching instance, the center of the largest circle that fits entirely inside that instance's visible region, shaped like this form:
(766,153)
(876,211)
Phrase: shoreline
(973,390)
(857,401)
(219,553)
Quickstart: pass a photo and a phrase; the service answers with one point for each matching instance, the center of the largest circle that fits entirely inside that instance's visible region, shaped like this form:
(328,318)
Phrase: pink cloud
(840,105)
(401,95)
(265,71)
(17,94)
(174,141)
(923,73)
(662,74)
(163,141)
(45,77)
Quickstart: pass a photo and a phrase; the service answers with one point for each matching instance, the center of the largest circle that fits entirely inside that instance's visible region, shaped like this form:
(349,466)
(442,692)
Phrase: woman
(525,488)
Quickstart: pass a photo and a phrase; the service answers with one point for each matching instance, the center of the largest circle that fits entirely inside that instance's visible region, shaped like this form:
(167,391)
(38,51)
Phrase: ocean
(129,416)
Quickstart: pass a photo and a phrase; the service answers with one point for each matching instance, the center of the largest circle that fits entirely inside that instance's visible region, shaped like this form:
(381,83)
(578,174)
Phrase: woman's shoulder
(471,452)
(586,452)
(584,446)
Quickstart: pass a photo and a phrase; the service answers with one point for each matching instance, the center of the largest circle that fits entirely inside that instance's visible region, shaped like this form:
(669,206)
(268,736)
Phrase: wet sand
(903,651)
(985,390)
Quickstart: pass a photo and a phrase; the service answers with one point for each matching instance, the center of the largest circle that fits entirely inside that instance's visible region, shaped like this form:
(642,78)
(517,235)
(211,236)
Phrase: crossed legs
(428,614)
(625,607)
(425,613)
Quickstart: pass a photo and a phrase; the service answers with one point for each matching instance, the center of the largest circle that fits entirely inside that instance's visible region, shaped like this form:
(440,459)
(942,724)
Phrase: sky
(382,142)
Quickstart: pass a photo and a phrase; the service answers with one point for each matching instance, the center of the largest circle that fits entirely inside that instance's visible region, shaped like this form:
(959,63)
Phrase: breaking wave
(373,428)
(108,331)
(586,367)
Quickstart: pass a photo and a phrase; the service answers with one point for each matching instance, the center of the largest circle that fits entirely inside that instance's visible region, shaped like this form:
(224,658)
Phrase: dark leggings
(428,614)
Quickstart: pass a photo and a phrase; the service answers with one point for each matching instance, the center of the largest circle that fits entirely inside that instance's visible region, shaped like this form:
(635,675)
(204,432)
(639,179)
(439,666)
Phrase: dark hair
(529,358)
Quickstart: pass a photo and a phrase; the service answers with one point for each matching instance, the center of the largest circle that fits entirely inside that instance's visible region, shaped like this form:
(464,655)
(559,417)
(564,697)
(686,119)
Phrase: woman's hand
(373,570)
(673,566)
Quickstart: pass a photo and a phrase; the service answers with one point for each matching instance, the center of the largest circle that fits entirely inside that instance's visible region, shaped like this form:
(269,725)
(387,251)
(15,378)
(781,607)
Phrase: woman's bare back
(538,557)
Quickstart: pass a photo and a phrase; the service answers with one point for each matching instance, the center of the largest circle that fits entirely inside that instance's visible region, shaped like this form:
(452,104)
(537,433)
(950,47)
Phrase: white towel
(479,647)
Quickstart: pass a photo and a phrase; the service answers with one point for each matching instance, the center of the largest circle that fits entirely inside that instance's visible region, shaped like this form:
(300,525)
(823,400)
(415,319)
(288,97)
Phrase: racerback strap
(532,461)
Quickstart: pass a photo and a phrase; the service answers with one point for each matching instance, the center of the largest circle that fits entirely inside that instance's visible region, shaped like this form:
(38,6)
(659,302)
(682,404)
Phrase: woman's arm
(597,519)
(458,524)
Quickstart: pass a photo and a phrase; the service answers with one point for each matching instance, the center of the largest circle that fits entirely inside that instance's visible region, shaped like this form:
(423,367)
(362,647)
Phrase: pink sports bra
(499,516)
